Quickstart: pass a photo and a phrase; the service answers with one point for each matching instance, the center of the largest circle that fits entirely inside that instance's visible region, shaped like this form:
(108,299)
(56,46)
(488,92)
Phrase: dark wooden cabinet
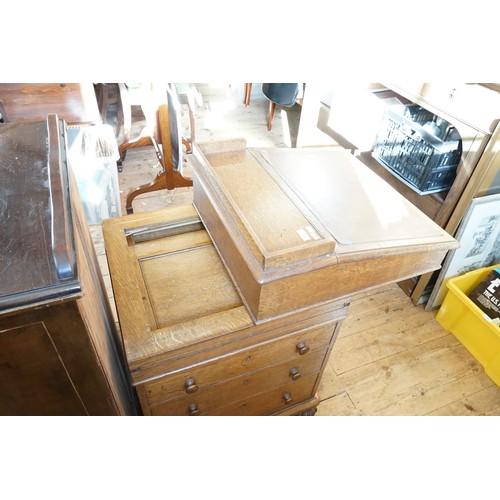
(60,351)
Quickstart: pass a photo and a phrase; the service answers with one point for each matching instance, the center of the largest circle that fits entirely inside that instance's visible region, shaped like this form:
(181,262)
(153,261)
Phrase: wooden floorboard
(391,357)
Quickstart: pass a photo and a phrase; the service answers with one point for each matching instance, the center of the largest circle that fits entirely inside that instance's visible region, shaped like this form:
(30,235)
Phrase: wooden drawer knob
(193,409)
(302,348)
(190,386)
(294,373)
(287,398)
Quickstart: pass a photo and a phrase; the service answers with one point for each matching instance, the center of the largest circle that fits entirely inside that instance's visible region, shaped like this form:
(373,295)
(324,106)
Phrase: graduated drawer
(292,347)
(209,399)
(275,400)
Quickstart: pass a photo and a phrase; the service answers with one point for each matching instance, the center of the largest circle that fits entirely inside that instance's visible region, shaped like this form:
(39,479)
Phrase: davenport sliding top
(296,227)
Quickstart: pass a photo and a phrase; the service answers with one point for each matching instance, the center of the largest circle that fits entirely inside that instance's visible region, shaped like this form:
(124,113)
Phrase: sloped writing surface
(352,202)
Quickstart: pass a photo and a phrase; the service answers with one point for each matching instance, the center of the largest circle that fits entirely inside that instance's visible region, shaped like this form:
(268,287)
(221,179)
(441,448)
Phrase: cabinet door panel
(33,378)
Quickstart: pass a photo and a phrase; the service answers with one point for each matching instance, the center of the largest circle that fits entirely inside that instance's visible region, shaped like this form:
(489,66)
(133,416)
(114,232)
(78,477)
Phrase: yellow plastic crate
(460,316)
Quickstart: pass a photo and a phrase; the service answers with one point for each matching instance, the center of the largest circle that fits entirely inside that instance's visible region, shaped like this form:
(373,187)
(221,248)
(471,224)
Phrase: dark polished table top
(29,269)
(76,103)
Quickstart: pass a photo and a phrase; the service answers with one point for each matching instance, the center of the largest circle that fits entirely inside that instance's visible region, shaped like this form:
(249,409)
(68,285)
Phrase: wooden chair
(167,134)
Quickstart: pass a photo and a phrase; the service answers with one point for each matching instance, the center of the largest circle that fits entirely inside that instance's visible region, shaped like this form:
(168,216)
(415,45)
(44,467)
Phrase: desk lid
(37,259)
(289,206)
(252,199)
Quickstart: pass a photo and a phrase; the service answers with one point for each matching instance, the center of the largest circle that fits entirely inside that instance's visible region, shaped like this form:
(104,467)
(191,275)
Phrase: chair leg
(248,91)
(160,182)
(187,145)
(272,108)
(163,180)
(142,140)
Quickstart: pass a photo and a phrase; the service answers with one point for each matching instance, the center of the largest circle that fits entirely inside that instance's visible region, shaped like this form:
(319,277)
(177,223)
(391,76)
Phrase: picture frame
(479,238)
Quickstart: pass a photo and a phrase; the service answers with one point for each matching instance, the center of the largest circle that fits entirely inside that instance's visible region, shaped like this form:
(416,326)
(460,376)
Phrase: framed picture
(479,238)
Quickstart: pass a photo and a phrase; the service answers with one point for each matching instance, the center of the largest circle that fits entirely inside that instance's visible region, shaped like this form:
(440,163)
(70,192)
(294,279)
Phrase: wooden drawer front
(245,386)
(244,361)
(272,401)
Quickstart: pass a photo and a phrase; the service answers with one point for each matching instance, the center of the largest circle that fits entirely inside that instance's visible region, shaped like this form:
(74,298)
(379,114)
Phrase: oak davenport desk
(231,306)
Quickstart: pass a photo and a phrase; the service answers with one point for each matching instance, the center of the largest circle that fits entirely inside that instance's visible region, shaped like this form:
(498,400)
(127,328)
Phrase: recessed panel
(187,284)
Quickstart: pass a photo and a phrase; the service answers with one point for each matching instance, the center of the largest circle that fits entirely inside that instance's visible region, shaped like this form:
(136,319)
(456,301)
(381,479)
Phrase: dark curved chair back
(174,115)
(284,94)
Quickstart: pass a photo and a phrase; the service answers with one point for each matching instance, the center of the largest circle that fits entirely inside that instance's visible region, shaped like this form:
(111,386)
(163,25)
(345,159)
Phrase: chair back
(284,94)
(169,133)
(174,114)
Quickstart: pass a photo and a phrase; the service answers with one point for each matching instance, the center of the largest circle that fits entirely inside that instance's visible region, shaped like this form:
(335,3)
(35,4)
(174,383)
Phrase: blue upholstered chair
(283,94)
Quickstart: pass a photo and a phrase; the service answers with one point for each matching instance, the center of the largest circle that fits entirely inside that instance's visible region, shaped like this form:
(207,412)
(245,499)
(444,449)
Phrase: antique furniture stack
(60,351)
(231,306)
